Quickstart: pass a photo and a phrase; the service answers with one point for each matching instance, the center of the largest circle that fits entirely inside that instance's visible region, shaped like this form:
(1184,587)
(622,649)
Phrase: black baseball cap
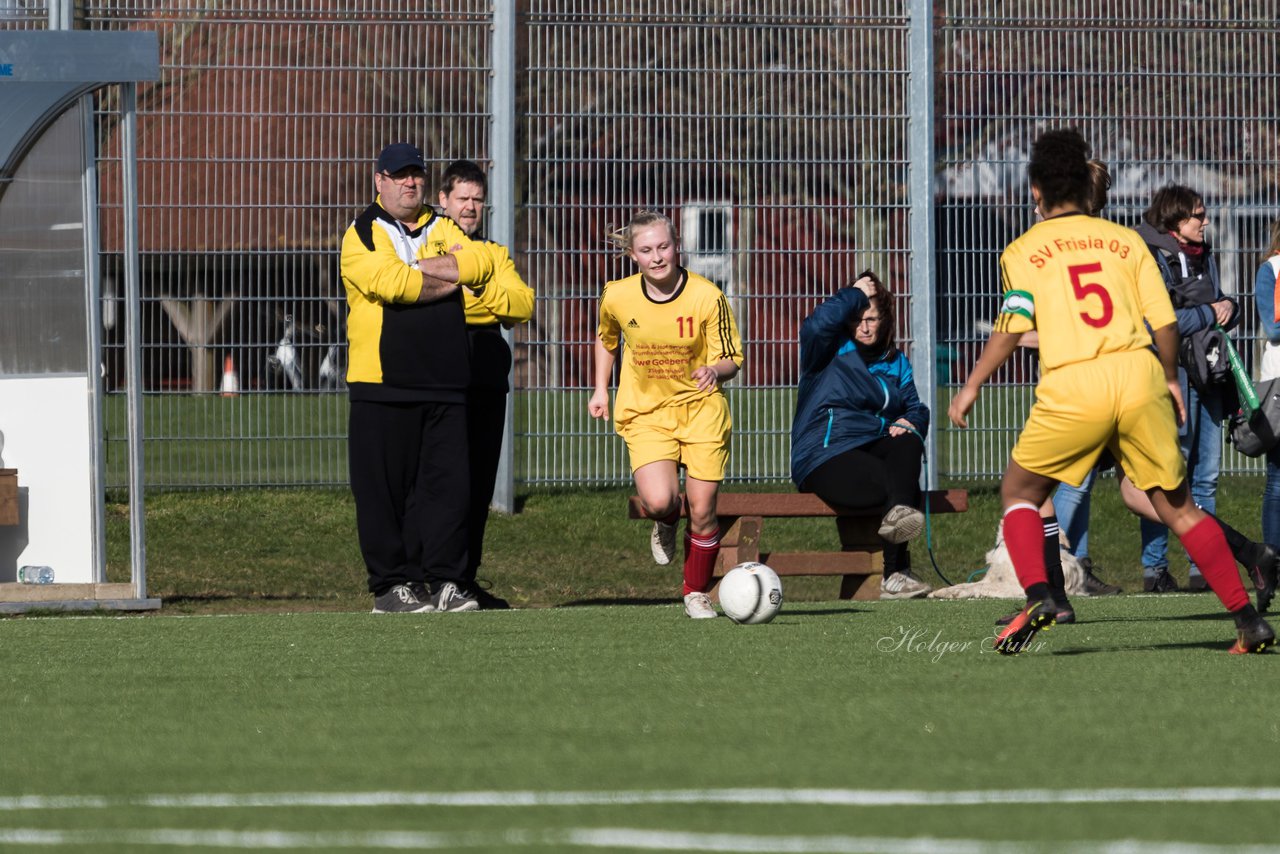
(400,155)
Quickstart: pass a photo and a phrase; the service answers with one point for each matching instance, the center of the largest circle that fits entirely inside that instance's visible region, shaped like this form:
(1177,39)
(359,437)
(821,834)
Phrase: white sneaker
(662,542)
(903,586)
(901,523)
(697,606)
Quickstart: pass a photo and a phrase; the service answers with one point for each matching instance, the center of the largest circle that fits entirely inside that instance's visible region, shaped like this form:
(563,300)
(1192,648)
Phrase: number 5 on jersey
(1084,289)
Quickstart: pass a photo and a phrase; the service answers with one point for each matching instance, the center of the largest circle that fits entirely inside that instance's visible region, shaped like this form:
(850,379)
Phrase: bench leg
(863,588)
(858,534)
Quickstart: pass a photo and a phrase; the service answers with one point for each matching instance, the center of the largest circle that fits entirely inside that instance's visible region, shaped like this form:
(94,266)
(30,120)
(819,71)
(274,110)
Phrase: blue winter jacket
(843,401)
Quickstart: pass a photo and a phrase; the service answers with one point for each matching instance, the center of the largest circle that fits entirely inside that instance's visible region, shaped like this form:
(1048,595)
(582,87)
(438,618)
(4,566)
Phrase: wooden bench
(859,563)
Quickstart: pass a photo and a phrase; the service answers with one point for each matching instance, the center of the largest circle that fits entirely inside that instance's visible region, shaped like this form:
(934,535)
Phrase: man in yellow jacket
(405,270)
(504,302)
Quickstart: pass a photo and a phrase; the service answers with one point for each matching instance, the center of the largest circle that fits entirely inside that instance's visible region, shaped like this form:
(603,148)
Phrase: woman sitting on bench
(857,440)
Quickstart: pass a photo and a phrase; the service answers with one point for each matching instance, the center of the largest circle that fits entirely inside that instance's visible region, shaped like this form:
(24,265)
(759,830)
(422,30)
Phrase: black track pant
(408,472)
(486,421)
(871,477)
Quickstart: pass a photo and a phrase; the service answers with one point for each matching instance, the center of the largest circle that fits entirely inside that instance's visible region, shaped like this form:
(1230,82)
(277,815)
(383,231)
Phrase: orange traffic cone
(230,381)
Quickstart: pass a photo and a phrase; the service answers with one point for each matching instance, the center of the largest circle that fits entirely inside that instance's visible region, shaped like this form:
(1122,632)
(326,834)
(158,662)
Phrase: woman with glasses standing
(857,440)
(1173,228)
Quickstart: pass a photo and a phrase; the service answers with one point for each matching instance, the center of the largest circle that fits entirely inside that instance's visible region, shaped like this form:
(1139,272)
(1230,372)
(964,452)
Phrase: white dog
(1000,581)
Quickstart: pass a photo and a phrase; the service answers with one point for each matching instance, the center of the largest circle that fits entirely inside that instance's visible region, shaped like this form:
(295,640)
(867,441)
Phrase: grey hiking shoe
(400,599)
(901,523)
(1159,581)
(1093,585)
(662,542)
(451,597)
(903,585)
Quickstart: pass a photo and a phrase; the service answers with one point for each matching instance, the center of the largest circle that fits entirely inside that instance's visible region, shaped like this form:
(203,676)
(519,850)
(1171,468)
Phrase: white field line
(650,840)
(774,797)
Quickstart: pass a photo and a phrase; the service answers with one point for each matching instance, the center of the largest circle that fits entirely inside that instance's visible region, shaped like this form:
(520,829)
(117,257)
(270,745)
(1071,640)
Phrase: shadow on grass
(823,612)
(637,600)
(615,600)
(1214,646)
(1160,618)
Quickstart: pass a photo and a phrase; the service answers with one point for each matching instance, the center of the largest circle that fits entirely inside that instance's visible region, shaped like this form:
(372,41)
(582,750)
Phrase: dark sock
(896,558)
(1040,592)
(1246,552)
(1053,561)
(1246,615)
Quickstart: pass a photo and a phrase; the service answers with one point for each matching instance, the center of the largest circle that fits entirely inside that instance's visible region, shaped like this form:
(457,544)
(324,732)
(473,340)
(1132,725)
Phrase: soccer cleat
(697,606)
(1093,585)
(1257,636)
(489,602)
(662,542)
(1196,584)
(903,585)
(401,599)
(1035,617)
(1062,615)
(1264,573)
(451,597)
(901,523)
(1160,582)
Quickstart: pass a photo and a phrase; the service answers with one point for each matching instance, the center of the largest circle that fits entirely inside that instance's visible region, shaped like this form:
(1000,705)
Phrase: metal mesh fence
(256,149)
(774,134)
(1164,99)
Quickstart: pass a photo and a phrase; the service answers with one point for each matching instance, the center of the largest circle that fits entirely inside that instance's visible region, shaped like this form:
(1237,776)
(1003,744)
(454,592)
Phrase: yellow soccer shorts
(1117,401)
(693,434)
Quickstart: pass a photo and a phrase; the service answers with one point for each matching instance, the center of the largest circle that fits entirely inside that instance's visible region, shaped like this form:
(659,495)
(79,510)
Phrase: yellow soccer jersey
(1086,285)
(663,343)
(505,299)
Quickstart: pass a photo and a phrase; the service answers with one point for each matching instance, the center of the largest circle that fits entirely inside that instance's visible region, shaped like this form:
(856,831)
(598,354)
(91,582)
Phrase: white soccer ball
(750,593)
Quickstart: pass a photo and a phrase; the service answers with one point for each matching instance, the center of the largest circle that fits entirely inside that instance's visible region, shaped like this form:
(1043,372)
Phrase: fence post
(502,211)
(920,90)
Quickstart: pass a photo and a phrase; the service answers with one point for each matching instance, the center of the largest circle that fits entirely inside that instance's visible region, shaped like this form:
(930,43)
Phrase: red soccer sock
(1206,545)
(1024,537)
(700,554)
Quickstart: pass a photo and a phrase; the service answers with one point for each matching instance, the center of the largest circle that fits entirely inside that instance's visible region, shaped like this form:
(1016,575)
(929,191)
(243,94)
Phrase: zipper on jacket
(883,421)
(831,417)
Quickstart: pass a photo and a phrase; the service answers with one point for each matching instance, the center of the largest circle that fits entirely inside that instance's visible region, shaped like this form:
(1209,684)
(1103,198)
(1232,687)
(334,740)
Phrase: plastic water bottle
(35,575)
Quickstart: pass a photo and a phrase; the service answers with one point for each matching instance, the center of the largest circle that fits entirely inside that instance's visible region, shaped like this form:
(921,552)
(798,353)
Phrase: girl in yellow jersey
(1086,286)
(679,344)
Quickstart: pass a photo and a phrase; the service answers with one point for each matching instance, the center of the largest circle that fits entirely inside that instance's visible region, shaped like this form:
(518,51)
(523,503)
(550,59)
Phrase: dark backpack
(1257,435)
(1203,355)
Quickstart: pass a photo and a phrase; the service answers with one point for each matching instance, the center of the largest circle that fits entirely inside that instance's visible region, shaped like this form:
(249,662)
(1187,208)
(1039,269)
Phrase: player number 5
(1086,289)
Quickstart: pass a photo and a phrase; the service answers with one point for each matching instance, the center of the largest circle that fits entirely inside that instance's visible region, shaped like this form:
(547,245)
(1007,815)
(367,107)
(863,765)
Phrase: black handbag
(1258,434)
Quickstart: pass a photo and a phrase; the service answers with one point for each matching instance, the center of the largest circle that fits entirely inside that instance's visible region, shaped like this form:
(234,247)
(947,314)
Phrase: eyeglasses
(1200,215)
(405,175)
(866,320)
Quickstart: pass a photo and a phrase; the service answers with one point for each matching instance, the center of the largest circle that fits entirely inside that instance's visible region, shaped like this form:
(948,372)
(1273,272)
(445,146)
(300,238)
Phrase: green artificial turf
(611,701)
(290,550)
